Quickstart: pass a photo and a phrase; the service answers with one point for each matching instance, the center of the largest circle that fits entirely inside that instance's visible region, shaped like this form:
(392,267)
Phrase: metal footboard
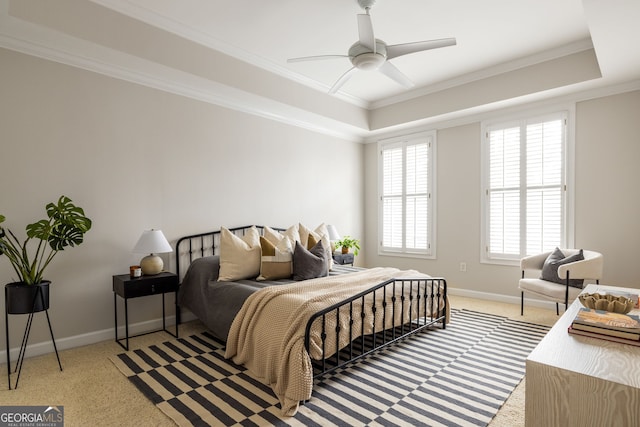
(403,306)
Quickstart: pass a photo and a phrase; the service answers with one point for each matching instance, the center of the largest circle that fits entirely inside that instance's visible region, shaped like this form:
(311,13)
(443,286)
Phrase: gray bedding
(217,303)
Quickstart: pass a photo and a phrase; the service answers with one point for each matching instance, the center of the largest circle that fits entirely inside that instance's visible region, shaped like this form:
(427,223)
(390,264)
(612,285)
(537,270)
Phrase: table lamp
(334,236)
(152,242)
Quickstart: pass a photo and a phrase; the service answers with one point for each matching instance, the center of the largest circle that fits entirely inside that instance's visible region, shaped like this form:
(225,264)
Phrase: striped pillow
(276,260)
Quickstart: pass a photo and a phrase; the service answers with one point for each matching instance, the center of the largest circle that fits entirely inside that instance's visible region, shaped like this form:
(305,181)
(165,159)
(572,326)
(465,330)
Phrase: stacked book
(623,328)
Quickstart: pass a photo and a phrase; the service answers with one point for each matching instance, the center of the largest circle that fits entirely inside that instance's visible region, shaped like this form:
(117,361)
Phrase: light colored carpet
(93,392)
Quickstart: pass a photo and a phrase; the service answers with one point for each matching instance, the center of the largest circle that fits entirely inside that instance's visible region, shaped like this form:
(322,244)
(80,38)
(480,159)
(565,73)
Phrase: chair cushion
(555,260)
(547,289)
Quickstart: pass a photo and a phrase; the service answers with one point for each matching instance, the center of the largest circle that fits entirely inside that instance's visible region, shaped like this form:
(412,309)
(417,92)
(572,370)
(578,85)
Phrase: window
(406,195)
(525,206)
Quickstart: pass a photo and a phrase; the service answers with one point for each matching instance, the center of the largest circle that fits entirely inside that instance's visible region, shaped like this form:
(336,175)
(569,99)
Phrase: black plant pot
(20,298)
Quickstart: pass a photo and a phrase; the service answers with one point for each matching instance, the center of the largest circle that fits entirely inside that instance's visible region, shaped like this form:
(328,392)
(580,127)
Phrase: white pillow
(275,236)
(239,256)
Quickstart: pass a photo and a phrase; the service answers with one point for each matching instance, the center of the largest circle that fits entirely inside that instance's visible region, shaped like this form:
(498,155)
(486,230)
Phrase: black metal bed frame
(423,300)
(424,294)
(204,244)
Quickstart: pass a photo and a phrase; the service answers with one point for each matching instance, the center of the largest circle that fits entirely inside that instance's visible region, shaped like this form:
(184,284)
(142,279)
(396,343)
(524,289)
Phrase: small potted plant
(348,242)
(65,227)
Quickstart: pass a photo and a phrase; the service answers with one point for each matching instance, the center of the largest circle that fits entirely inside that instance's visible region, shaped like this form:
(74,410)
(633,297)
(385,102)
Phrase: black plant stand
(25,338)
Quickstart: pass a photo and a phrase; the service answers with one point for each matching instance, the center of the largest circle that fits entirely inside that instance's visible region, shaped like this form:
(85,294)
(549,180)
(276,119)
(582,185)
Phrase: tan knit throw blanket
(267,335)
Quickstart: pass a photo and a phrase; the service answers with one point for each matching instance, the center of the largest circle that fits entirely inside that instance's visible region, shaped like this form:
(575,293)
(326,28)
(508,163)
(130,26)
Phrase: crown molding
(573,94)
(188,32)
(30,39)
(506,67)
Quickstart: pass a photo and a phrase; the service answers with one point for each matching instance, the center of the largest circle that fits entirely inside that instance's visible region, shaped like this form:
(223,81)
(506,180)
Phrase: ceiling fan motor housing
(363,58)
(366,4)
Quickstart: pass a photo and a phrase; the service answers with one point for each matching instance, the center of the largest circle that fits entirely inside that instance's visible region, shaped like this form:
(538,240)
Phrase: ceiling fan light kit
(370,54)
(364,59)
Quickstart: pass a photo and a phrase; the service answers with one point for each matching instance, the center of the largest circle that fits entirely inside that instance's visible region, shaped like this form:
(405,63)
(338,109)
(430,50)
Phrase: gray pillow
(309,264)
(555,260)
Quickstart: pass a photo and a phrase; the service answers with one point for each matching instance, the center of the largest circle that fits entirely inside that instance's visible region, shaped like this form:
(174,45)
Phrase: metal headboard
(190,248)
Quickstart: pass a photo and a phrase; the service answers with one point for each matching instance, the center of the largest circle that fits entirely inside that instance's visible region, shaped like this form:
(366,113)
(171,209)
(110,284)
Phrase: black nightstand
(343,259)
(127,287)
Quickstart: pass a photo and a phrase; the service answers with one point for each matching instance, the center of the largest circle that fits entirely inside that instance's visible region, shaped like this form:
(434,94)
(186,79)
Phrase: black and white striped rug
(459,376)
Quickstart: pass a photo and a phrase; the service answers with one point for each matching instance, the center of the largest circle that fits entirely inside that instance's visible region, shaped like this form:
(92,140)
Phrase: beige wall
(137,158)
(606,203)
(607,180)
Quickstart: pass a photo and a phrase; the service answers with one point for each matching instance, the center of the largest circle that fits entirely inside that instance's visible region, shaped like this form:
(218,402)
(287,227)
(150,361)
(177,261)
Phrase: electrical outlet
(463,267)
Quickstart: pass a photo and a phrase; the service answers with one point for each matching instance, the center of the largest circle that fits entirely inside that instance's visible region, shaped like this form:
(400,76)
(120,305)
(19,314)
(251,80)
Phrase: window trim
(568,110)
(432,185)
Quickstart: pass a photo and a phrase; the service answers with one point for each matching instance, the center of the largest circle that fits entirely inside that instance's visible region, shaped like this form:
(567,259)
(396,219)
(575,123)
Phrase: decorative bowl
(612,303)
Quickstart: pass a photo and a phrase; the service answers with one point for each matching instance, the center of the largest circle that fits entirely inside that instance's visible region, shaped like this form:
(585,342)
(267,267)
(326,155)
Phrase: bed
(291,333)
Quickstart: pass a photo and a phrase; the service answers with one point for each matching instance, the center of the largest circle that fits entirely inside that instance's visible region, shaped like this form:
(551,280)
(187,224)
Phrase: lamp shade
(333,232)
(152,241)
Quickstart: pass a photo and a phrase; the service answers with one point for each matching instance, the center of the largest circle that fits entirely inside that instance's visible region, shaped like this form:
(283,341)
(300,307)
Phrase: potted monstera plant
(65,226)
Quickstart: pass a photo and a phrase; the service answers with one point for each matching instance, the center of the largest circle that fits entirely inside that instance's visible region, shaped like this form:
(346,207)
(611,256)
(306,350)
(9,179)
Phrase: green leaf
(64,235)
(39,230)
(2,234)
(69,224)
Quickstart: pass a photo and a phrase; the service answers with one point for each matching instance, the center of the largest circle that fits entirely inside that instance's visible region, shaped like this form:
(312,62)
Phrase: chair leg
(566,295)
(522,299)
(557,310)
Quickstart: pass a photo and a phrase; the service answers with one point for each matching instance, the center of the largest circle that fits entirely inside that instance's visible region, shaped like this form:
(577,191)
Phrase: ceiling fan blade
(404,49)
(342,80)
(365,32)
(314,58)
(390,70)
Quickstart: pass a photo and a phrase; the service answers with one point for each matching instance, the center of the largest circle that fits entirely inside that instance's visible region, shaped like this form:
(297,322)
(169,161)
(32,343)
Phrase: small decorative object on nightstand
(127,288)
(343,259)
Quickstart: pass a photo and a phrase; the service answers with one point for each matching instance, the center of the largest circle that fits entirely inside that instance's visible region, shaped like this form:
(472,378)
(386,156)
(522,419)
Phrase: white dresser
(578,381)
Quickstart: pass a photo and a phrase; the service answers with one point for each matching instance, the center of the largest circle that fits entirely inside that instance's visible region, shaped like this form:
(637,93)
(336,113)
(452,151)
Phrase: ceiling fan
(369,53)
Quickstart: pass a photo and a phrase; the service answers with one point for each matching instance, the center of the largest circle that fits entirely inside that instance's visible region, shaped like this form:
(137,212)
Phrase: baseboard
(46,347)
(502,298)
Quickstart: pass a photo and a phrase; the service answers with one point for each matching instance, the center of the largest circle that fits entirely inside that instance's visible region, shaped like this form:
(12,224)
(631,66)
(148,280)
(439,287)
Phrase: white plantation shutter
(392,172)
(504,191)
(525,206)
(545,143)
(405,197)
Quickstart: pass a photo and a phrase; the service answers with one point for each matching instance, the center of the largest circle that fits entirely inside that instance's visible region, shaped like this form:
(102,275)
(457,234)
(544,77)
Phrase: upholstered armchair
(560,287)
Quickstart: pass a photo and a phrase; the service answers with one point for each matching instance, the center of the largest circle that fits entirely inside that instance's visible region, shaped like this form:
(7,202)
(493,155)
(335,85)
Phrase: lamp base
(151,264)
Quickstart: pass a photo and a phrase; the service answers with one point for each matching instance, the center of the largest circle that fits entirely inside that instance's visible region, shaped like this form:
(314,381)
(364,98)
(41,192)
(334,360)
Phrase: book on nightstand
(606,325)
